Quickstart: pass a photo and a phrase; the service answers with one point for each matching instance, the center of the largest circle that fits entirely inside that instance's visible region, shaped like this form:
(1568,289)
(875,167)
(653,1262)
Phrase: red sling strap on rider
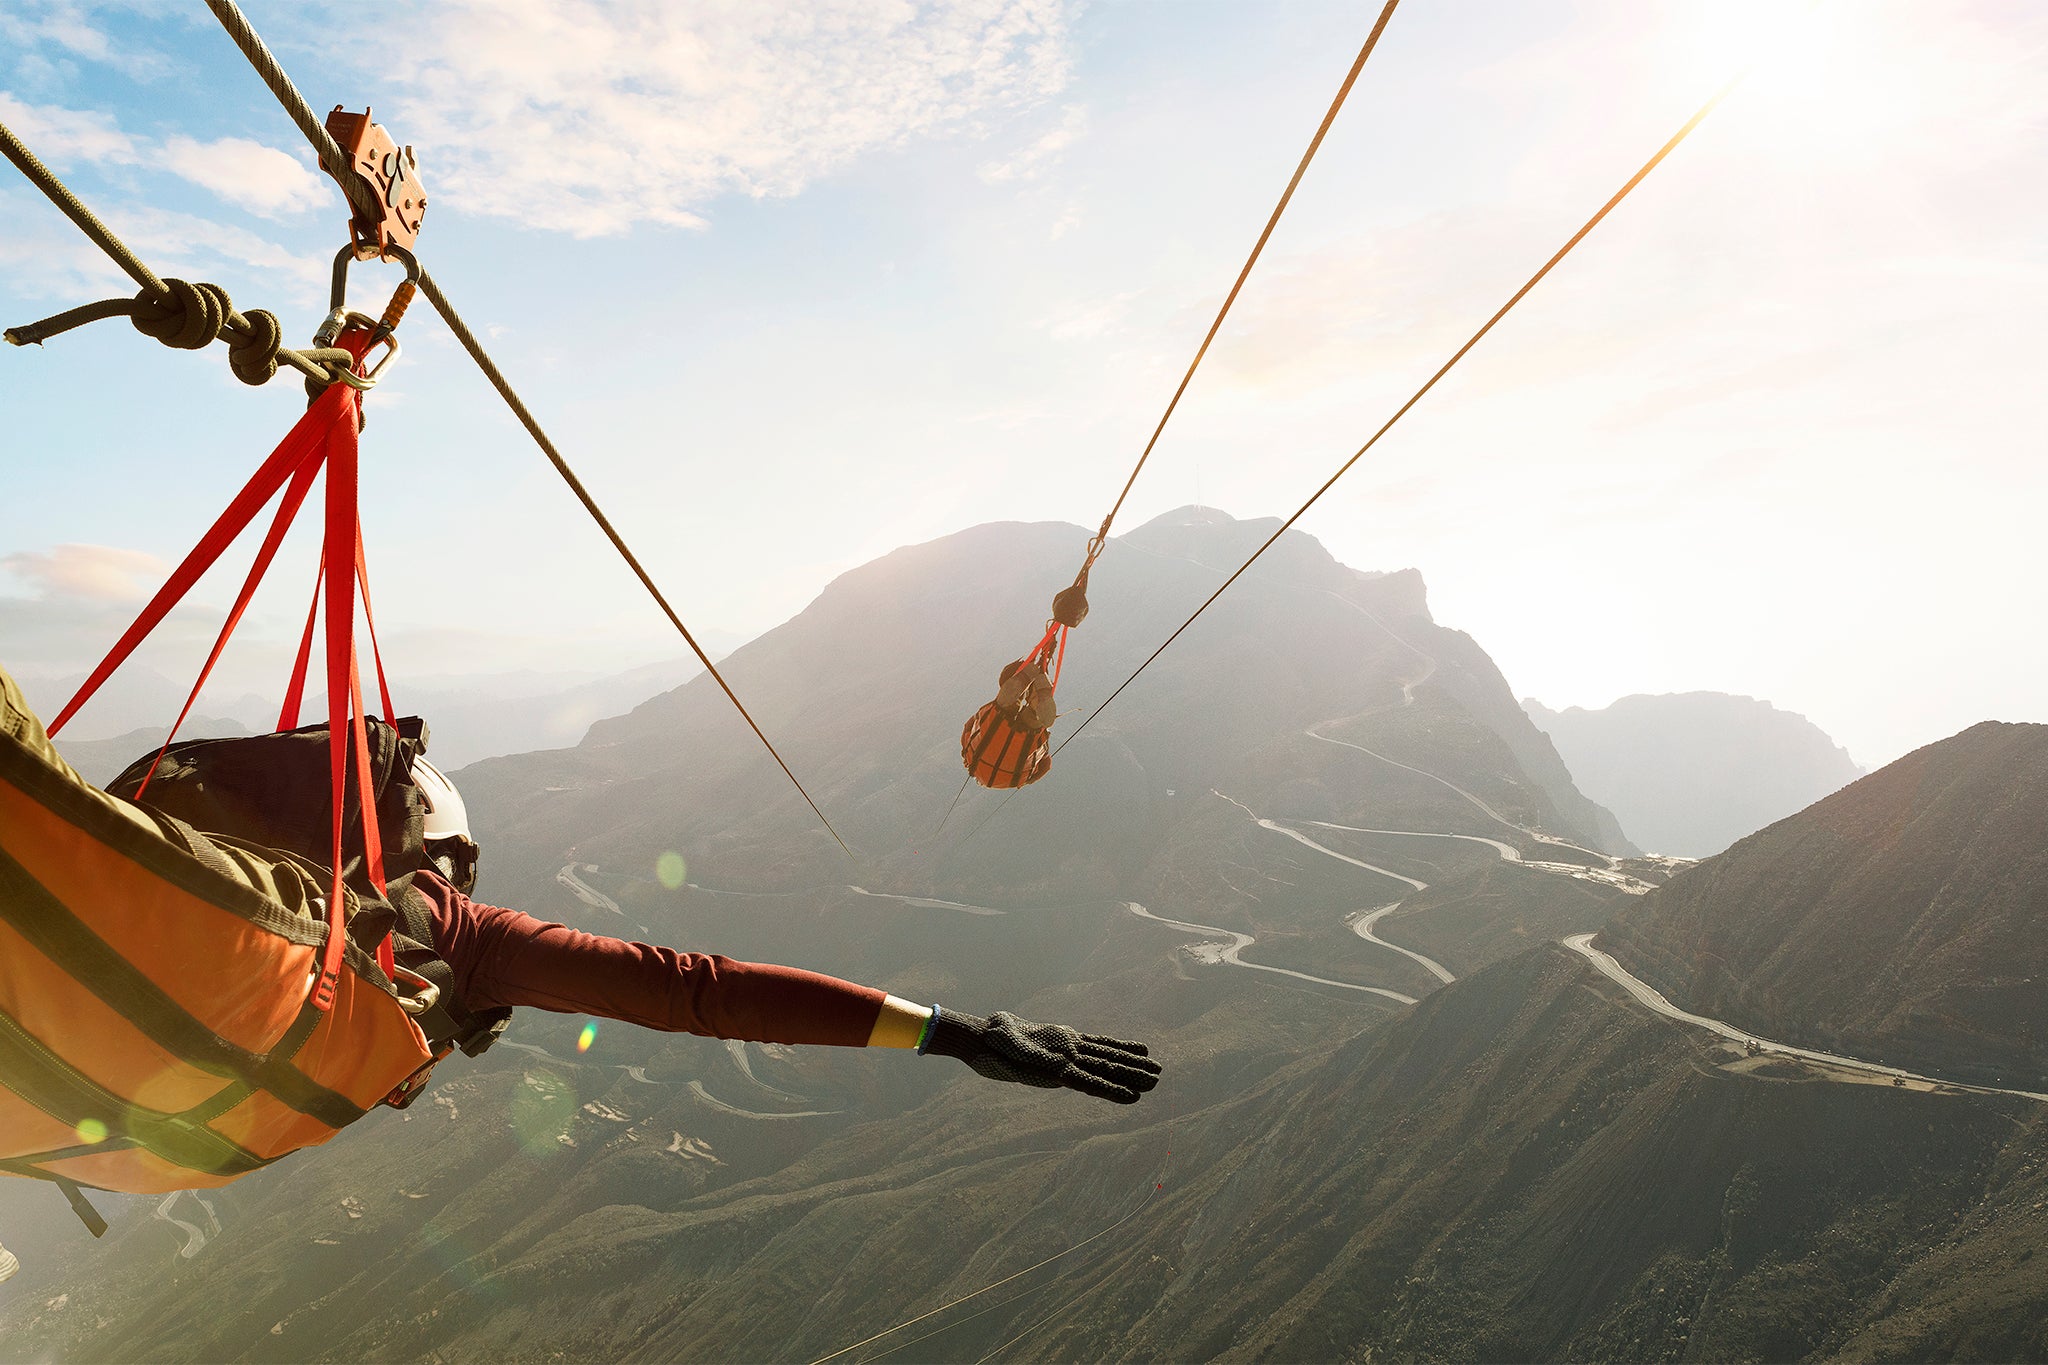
(287,508)
(324,437)
(295,692)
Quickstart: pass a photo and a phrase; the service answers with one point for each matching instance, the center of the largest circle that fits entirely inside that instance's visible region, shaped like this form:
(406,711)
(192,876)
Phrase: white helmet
(449,845)
(446,816)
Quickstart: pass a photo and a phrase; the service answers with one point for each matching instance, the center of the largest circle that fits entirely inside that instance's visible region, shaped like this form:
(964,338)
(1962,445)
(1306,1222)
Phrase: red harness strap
(324,437)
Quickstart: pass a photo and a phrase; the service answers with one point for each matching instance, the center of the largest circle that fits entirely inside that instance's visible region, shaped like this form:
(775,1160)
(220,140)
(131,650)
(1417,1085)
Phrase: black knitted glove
(1003,1047)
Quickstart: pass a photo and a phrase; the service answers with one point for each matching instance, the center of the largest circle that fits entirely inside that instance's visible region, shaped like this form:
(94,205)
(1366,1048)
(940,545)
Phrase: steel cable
(1591,223)
(364,202)
(1343,91)
(1142,1205)
(1417,396)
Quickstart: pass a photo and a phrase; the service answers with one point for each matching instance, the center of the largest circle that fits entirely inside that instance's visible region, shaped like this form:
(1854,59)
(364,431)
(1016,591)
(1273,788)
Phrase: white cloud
(69,26)
(260,179)
(193,247)
(93,573)
(251,175)
(45,258)
(1041,154)
(592,116)
(68,137)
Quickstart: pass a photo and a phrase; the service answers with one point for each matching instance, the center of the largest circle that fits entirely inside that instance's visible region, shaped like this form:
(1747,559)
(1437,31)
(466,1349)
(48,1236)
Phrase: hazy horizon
(1767,432)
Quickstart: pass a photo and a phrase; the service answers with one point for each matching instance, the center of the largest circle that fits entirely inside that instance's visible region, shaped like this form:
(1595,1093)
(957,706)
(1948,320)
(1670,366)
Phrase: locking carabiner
(401,297)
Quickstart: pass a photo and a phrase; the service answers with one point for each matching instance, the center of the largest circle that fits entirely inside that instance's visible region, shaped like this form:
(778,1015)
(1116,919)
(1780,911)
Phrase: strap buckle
(343,319)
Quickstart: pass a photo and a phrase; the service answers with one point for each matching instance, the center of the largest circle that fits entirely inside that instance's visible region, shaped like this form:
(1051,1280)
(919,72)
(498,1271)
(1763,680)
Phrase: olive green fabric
(297,886)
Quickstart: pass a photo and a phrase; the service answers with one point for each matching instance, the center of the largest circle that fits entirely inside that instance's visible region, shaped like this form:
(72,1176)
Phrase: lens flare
(543,1111)
(669,870)
(587,1037)
(91,1131)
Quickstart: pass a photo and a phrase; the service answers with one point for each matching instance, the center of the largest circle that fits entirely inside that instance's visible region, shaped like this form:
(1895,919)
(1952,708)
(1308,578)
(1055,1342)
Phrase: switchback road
(1649,996)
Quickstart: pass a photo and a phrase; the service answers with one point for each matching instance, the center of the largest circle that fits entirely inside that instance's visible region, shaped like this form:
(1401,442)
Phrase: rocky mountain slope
(1526,1167)
(1253,870)
(866,689)
(1318,694)
(1689,773)
(1902,918)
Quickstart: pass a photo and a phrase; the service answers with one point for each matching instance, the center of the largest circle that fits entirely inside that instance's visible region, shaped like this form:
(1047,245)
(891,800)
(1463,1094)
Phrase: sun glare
(1840,78)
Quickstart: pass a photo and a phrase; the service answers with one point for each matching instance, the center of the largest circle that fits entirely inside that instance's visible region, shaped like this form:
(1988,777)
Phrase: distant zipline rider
(1007,742)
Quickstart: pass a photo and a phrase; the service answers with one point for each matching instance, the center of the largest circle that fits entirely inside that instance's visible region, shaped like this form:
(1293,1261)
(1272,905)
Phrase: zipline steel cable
(1343,92)
(363,200)
(1140,1208)
(1698,117)
(1101,536)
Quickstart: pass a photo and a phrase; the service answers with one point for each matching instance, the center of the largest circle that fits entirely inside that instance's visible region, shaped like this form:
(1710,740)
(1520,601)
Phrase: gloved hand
(1003,1047)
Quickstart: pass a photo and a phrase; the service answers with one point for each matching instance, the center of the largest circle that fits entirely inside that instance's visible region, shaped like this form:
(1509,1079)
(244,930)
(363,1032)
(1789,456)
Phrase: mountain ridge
(1898,919)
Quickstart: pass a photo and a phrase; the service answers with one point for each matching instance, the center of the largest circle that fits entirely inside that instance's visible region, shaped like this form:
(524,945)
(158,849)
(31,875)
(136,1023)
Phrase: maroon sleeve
(501,957)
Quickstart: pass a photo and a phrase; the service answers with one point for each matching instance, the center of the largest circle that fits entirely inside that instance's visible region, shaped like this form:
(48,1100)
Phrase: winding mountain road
(1365,922)
(584,891)
(195,1236)
(1230,953)
(1649,996)
(697,1089)
(926,902)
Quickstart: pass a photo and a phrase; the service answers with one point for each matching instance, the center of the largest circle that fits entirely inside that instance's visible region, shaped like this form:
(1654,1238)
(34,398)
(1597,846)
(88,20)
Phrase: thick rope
(175,312)
(1372,40)
(1442,370)
(54,190)
(365,204)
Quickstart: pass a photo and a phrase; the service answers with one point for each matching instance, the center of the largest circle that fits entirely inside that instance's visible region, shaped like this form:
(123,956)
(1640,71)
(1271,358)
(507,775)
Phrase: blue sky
(792,286)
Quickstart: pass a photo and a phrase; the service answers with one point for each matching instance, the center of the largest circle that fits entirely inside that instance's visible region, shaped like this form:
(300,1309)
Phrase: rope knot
(252,354)
(186,316)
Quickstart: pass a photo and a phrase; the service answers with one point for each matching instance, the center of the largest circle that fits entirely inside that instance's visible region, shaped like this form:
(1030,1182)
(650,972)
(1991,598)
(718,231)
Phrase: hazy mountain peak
(1689,773)
(1194,514)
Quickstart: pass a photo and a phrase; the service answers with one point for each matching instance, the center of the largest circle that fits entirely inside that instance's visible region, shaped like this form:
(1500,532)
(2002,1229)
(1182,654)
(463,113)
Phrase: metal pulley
(392,176)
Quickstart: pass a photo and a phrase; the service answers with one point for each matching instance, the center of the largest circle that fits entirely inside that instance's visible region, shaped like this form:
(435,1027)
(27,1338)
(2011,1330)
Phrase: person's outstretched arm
(502,958)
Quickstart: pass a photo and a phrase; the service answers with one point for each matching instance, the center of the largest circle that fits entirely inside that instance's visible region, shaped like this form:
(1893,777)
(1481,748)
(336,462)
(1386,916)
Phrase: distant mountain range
(470,717)
(1689,773)
(1322,805)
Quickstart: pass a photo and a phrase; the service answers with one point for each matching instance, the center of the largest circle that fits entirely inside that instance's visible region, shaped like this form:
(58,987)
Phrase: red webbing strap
(303,440)
(287,509)
(1050,653)
(1041,653)
(295,693)
(344,680)
(370,625)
